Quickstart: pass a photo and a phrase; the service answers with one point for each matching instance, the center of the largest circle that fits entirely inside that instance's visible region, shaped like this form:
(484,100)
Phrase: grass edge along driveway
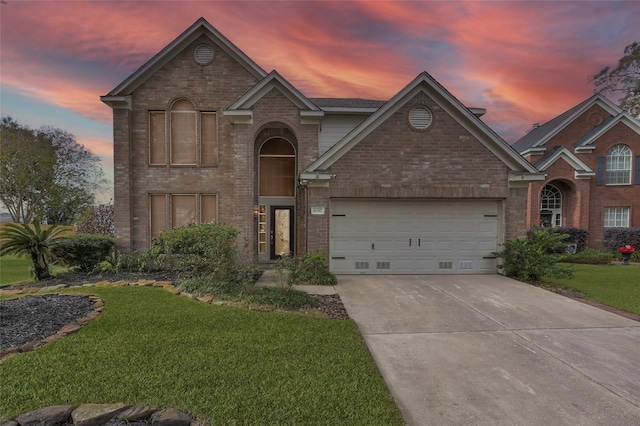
(613,285)
(226,365)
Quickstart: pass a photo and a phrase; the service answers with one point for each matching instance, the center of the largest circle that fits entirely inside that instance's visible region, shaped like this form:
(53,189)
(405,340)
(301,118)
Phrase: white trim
(239,116)
(623,117)
(118,102)
(596,99)
(426,84)
(199,28)
(581,170)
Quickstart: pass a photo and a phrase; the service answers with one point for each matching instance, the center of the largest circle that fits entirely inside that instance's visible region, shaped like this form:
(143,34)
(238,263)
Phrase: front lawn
(225,364)
(613,285)
(14,269)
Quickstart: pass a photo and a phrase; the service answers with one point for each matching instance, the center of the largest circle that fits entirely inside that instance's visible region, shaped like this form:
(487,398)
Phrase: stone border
(98,306)
(101,414)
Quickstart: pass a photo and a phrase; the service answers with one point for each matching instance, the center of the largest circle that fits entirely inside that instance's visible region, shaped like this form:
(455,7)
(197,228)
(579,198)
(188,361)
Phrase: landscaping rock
(96,414)
(4,422)
(170,417)
(45,416)
(134,414)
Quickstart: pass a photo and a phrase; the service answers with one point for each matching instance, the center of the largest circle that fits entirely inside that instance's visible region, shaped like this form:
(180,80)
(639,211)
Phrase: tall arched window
(277,168)
(551,206)
(618,165)
(183,133)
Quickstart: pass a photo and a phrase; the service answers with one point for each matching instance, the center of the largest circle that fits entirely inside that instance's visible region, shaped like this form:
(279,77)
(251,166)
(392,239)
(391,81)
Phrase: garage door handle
(409,242)
(373,246)
(418,242)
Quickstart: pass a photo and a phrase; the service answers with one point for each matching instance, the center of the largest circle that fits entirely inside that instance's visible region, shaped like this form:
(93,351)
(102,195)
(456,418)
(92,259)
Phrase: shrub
(88,251)
(575,236)
(312,268)
(208,254)
(590,256)
(614,238)
(537,255)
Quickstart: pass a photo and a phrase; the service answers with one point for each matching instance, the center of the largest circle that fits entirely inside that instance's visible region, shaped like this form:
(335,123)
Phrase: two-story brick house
(591,157)
(416,184)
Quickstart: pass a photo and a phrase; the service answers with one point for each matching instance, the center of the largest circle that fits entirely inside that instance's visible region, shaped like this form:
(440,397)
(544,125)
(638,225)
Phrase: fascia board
(598,99)
(623,117)
(522,180)
(200,27)
(274,80)
(533,151)
(239,116)
(340,110)
(118,102)
(425,83)
(567,156)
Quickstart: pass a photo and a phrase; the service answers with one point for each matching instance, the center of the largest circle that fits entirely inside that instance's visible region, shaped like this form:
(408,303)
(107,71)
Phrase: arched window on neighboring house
(551,206)
(618,168)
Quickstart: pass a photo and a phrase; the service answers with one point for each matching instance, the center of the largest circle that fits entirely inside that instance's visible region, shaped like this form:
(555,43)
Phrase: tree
(623,79)
(46,174)
(98,220)
(38,243)
(27,165)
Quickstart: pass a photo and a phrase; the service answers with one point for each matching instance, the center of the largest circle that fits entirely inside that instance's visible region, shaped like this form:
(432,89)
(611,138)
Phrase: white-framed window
(188,136)
(618,169)
(174,210)
(616,217)
(551,206)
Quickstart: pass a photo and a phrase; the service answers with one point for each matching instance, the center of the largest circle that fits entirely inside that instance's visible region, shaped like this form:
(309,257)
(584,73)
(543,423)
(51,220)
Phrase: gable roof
(590,138)
(241,110)
(464,116)
(199,28)
(538,137)
(559,152)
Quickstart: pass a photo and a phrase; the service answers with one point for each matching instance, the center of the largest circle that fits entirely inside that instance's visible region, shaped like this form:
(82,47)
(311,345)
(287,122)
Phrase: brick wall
(584,201)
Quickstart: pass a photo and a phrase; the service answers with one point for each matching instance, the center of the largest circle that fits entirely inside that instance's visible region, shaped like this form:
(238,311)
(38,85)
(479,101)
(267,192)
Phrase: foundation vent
(362,265)
(447,264)
(383,265)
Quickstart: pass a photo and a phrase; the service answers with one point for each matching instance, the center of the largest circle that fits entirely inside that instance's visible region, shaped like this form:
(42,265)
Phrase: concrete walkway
(488,350)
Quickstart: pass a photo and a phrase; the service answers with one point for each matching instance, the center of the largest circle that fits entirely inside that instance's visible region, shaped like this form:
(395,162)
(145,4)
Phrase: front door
(281,231)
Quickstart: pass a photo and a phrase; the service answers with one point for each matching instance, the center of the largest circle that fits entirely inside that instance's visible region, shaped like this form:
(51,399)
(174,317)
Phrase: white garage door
(413,237)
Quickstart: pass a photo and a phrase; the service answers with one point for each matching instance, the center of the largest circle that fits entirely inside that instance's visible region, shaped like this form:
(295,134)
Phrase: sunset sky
(524,61)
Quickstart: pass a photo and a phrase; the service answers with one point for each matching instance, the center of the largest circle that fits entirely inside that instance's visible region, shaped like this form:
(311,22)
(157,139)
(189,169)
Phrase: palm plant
(38,243)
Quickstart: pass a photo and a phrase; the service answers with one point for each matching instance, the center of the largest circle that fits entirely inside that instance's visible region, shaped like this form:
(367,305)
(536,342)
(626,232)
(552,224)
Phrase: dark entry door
(281,231)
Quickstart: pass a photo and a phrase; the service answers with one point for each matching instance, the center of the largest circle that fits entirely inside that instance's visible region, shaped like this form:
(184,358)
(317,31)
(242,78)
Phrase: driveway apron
(488,350)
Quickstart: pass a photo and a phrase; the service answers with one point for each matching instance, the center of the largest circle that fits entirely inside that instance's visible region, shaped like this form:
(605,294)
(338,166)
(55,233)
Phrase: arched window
(618,165)
(183,133)
(551,206)
(277,168)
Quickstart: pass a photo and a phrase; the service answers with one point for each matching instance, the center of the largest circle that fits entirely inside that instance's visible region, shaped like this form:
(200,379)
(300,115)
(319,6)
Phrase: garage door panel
(424,237)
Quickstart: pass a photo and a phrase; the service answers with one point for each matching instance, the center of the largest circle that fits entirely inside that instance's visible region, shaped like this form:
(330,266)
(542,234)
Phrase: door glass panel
(282,231)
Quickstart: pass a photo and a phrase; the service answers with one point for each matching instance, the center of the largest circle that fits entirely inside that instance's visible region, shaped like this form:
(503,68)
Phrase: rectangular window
(208,139)
(158,214)
(157,137)
(208,208)
(183,210)
(616,217)
(183,137)
(192,138)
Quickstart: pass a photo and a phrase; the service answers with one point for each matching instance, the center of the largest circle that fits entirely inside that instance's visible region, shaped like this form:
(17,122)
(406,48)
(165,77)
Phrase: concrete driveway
(488,350)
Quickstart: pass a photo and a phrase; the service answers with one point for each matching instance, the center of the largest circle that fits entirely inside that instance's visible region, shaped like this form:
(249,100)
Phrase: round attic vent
(203,54)
(420,117)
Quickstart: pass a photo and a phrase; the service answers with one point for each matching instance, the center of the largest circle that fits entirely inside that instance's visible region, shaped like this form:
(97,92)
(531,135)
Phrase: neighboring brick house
(416,184)
(591,156)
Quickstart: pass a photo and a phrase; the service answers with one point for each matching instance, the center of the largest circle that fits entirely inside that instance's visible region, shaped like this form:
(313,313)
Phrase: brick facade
(584,201)
(393,161)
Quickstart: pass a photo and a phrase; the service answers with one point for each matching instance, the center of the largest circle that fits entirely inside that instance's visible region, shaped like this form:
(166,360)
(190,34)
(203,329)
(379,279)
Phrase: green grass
(227,365)
(14,269)
(613,285)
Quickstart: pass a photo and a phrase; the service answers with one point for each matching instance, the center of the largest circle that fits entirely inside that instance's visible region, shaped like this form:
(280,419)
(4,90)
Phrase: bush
(312,268)
(590,256)
(537,255)
(575,236)
(208,254)
(87,251)
(614,238)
